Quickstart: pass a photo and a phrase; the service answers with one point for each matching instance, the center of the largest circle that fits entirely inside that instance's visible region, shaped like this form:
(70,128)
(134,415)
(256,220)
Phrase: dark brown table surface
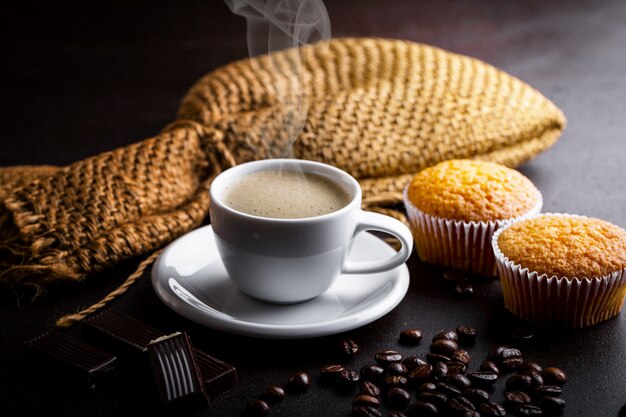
(84,77)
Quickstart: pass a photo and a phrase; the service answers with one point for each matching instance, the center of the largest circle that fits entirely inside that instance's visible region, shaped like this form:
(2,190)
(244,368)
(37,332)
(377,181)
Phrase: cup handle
(382,223)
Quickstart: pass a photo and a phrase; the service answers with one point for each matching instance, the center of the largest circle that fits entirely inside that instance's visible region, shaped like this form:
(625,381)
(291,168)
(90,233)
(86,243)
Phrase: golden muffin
(455,207)
(562,269)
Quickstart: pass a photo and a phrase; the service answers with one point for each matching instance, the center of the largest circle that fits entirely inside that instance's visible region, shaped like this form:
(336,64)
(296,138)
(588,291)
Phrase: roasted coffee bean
(372,373)
(440,370)
(551,405)
(329,373)
(257,408)
(360,411)
(496,352)
(446,335)
(347,381)
(395,414)
(388,356)
(299,383)
(554,376)
(455,367)
(421,373)
(410,337)
(491,409)
(526,410)
(518,383)
(529,367)
(366,401)
(348,347)
(397,397)
(535,379)
(412,362)
(522,334)
(447,389)
(511,358)
(482,378)
(459,380)
(436,357)
(444,347)
(511,364)
(455,276)
(395,381)
(427,387)
(422,409)
(476,395)
(548,391)
(460,404)
(368,388)
(514,398)
(489,366)
(464,290)
(396,368)
(467,334)
(461,356)
(273,394)
(436,398)
(470,413)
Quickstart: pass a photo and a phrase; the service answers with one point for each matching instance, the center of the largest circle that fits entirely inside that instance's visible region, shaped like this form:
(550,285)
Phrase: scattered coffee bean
(368,388)
(511,358)
(455,276)
(496,352)
(421,373)
(455,367)
(436,398)
(447,389)
(522,334)
(257,408)
(535,379)
(467,334)
(491,409)
(422,409)
(348,347)
(366,401)
(470,413)
(464,291)
(551,405)
(548,391)
(273,394)
(526,410)
(436,357)
(460,404)
(554,376)
(444,347)
(476,395)
(459,380)
(396,368)
(529,367)
(360,411)
(519,383)
(329,373)
(397,398)
(483,378)
(514,398)
(461,356)
(395,414)
(446,335)
(372,373)
(299,383)
(410,337)
(388,356)
(412,362)
(440,370)
(489,366)
(346,381)
(395,381)
(429,387)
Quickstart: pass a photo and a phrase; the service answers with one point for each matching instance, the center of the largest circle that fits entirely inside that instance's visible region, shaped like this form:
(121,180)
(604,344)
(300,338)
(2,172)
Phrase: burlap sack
(379,109)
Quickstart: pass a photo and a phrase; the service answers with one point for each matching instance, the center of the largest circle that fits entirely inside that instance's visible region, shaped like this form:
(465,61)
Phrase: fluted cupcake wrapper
(572,302)
(457,244)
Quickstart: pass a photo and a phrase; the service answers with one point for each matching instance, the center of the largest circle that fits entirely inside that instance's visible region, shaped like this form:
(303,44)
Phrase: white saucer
(190,279)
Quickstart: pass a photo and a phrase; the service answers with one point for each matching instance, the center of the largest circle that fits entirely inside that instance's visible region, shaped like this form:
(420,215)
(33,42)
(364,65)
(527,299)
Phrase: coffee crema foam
(285,195)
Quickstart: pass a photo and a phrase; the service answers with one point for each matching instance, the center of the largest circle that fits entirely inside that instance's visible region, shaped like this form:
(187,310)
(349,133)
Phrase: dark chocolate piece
(176,372)
(130,338)
(75,357)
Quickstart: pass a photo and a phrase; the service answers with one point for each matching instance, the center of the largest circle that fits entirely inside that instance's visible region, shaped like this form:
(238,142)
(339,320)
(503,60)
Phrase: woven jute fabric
(379,109)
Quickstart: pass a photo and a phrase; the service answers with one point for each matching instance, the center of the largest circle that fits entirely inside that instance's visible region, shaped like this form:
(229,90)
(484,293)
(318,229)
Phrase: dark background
(85,77)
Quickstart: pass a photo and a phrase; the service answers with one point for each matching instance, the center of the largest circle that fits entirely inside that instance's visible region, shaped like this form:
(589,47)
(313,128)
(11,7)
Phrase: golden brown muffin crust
(472,190)
(566,246)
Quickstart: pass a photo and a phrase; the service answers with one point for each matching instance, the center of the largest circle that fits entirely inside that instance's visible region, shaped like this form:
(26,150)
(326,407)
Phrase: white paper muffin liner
(568,301)
(458,244)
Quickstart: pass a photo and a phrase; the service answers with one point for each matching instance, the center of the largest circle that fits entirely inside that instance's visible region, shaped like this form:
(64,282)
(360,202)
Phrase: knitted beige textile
(379,109)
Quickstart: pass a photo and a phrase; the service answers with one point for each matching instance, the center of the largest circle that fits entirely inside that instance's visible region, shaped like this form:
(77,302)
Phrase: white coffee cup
(294,260)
